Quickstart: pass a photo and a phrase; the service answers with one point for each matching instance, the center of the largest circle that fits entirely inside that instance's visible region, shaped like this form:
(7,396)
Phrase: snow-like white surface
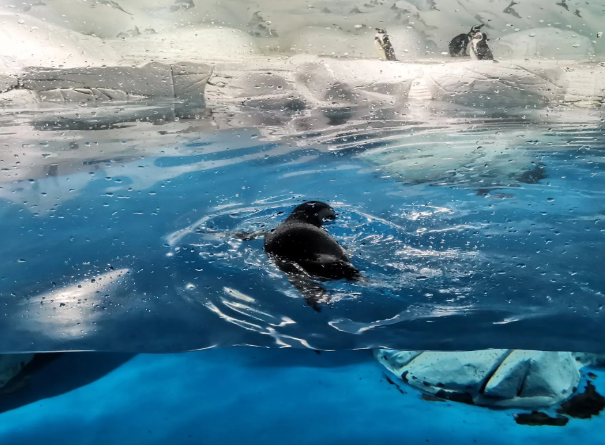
(423,24)
(537,29)
(538,46)
(542,43)
(28,41)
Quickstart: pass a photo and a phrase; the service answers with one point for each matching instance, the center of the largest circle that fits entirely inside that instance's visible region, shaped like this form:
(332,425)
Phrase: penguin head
(476,28)
(381,31)
(312,212)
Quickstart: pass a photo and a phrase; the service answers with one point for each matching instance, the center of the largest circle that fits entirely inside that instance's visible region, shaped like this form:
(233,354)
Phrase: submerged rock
(432,398)
(11,365)
(584,406)
(537,418)
(499,377)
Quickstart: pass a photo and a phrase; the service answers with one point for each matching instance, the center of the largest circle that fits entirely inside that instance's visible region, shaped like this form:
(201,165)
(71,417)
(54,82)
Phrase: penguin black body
(479,49)
(383,46)
(458,45)
(305,251)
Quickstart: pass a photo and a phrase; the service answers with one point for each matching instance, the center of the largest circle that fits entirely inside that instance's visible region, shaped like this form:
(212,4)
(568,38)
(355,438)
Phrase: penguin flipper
(249,236)
(313,292)
(487,55)
(458,45)
(484,53)
(341,267)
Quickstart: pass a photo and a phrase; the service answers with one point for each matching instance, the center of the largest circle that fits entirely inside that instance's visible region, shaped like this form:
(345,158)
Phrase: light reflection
(412,313)
(70,312)
(426,253)
(267,324)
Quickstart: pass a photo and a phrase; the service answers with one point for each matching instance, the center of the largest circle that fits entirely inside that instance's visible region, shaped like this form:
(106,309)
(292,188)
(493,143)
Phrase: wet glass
(153,150)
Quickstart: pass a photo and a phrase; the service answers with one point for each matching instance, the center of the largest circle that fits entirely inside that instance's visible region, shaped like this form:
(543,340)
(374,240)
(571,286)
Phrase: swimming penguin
(383,46)
(479,49)
(458,45)
(304,250)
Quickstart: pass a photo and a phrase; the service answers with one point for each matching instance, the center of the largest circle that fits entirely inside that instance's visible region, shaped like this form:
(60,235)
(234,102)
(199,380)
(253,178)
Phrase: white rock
(533,379)
(11,365)
(150,80)
(183,82)
(306,91)
(332,82)
(458,371)
(506,382)
(20,98)
(62,95)
(489,84)
(551,374)
(503,378)
(394,360)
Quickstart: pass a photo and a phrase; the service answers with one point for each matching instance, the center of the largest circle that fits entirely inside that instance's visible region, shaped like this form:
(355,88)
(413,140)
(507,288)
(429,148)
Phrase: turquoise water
(255,396)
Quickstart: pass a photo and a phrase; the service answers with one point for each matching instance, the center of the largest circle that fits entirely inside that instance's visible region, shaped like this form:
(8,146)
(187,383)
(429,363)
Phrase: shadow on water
(50,375)
(284,358)
(53,374)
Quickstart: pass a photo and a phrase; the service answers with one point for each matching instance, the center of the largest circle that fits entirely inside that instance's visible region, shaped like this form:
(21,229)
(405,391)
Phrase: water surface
(475,232)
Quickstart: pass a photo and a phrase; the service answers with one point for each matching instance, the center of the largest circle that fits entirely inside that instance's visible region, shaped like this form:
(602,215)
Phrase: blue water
(250,395)
(126,246)
(120,236)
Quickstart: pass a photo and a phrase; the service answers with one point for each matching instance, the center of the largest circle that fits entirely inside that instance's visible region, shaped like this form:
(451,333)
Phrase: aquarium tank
(275,222)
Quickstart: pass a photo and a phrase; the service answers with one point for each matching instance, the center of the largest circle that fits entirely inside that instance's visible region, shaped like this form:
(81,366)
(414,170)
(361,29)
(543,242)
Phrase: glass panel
(420,179)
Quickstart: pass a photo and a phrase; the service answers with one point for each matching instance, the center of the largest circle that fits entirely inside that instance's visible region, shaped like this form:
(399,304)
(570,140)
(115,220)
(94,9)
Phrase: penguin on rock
(383,45)
(478,48)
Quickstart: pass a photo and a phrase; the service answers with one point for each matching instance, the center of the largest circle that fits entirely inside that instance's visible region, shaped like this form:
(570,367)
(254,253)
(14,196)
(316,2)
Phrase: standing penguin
(383,46)
(458,45)
(479,49)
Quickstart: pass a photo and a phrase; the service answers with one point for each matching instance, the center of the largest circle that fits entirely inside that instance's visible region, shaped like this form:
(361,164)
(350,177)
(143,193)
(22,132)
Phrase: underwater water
(251,395)
(121,234)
